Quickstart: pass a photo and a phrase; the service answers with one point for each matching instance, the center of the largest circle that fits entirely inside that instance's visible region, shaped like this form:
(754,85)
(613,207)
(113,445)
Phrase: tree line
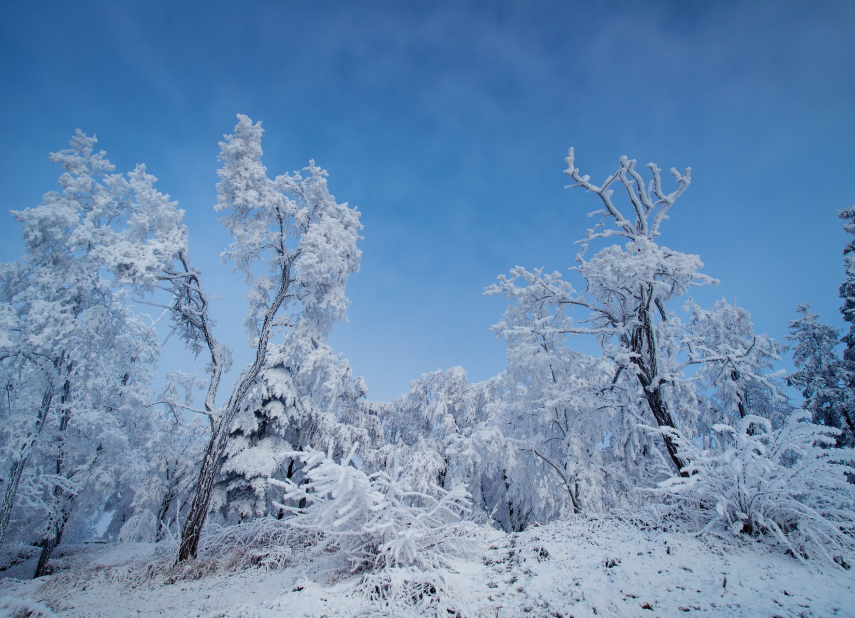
(682,415)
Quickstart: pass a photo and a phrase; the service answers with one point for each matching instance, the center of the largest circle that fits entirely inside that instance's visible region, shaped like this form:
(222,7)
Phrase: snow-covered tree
(305,395)
(150,502)
(443,431)
(106,232)
(627,289)
(306,240)
(552,410)
(26,407)
(735,366)
(88,357)
(847,288)
(657,368)
(847,293)
(90,446)
(826,380)
(821,374)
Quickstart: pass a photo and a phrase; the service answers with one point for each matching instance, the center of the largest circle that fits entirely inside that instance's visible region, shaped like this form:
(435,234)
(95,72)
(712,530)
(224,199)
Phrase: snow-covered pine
(821,375)
(847,288)
(305,395)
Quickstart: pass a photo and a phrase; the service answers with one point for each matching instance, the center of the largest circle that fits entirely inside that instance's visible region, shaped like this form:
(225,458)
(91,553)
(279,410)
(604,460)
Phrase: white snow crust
(578,567)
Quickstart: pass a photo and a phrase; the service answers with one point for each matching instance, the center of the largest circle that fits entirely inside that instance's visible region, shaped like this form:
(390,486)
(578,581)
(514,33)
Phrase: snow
(577,567)
(385,531)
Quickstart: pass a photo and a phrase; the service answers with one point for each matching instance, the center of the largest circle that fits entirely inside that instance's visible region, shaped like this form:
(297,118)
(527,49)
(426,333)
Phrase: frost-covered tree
(292,227)
(443,430)
(89,448)
(826,380)
(627,288)
(847,293)
(659,368)
(155,493)
(26,407)
(735,366)
(87,357)
(847,288)
(106,223)
(821,374)
(305,395)
(552,412)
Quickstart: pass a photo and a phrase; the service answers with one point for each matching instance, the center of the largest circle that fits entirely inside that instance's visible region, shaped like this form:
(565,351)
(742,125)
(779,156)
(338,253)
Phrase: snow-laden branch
(640,197)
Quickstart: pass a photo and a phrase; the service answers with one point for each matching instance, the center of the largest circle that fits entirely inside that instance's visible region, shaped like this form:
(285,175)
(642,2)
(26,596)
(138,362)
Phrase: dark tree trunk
(163,511)
(646,358)
(192,530)
(62,512)
(19,465)
(49,543)
(663,417)
(9,497)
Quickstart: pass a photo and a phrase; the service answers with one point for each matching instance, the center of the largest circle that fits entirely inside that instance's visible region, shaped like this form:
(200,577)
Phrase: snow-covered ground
(584,567)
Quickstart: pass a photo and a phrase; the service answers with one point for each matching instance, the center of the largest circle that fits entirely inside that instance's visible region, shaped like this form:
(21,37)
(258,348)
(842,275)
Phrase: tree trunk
(192,530)
(20,463)
(56,527)
(163,511)
(646,357)
(49,543)
(9,497)
(664,419)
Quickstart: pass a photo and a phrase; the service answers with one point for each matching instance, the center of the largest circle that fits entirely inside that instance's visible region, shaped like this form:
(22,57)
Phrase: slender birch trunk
(192,530)
(62,510)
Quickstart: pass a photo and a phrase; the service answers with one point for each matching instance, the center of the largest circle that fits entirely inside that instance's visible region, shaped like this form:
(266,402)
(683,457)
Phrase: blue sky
(447,124)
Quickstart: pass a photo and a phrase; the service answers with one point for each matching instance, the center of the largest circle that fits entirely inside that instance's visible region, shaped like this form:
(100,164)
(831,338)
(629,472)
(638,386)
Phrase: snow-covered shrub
(404,592)
(24,608)
(140,528)
(375,520)
(265,543)
(786,486)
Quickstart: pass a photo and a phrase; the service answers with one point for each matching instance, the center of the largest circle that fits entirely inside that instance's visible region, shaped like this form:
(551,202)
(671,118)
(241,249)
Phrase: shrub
(785,486)
(375,520)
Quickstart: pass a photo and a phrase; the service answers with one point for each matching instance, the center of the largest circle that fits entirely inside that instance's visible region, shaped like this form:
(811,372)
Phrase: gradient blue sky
(447,123)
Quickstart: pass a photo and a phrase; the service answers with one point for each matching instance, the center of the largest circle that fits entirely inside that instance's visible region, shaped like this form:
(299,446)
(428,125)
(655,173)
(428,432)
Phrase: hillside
(582,567)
